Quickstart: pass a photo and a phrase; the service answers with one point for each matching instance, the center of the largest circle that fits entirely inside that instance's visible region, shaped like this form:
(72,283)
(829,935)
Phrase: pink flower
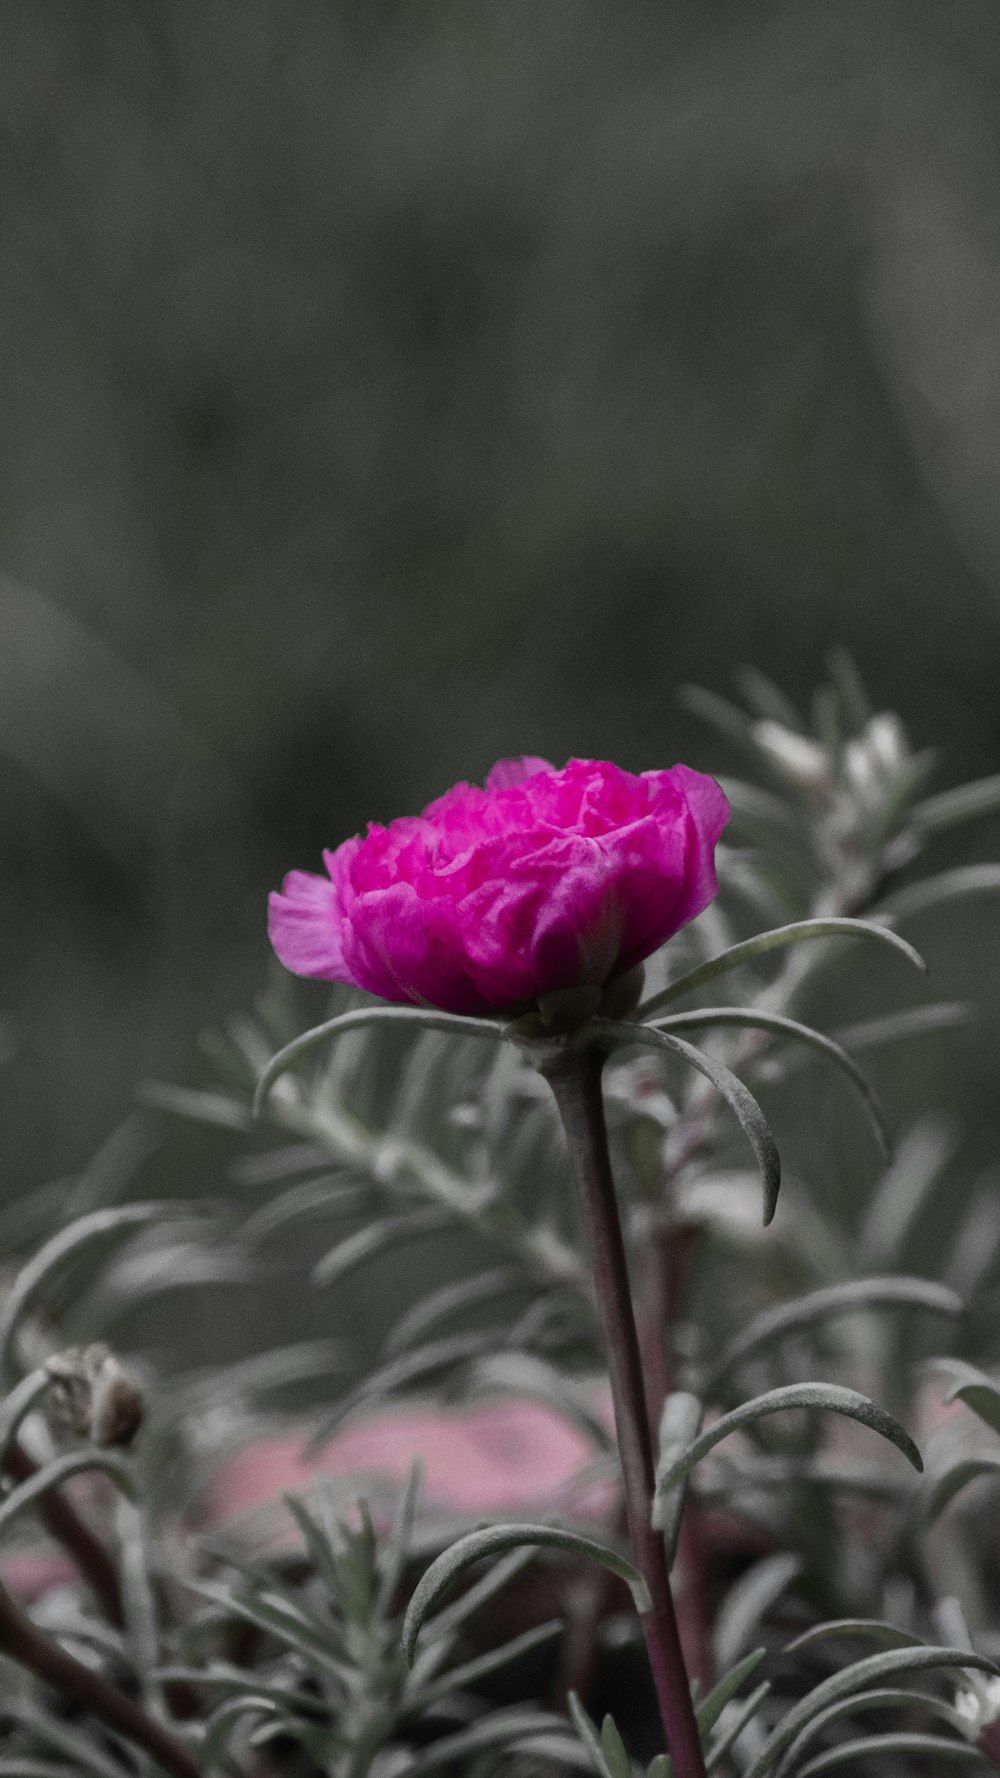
(545,880)
(493,1457)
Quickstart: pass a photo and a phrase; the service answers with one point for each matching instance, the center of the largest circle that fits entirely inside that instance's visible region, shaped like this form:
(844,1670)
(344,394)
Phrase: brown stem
(575,1079)
(989,1743)
(66,1527)
(25,1643)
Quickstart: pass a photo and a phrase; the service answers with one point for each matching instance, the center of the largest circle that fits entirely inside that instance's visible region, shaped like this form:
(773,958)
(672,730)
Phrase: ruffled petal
(508,772)
(708,811)
(403,946)
(305,926)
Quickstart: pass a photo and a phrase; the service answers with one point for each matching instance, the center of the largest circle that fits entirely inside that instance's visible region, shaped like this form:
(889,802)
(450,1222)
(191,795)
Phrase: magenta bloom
(544,880)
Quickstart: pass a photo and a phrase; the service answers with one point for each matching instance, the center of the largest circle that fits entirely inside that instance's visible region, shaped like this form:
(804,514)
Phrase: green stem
(25,1643)
(575,1078)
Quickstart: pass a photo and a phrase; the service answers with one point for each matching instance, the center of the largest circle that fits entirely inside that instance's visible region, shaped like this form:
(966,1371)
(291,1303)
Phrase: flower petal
(307,920)
(508,772)
(406,947)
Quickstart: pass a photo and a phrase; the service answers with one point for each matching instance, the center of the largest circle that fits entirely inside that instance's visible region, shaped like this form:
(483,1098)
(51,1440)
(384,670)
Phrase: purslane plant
(843,816)
(540,898)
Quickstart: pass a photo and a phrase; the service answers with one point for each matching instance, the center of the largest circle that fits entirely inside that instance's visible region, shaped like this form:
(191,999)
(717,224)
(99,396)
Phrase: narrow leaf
(749,1600)
(799,932)
(738,1097)
(377,1237)
(502,1728)
(821,1305)
(68,1244)
(831,1397)
(882,1698)
(450,1299)
(730,1730)
(718,712)
(418,1016)
(18,1404)
(949,885)
(497,1540)
(973,1387)
(614,1750)
(680,1422)
(395,1549)
(963,803)
(711,1707)
(408,1368)
(224,1719)
(868,1629)
(471,1672)
(944,1488)
(53,1474)
(857,1678)
(872,1746)
(586,1728)
(480,1594)
(914,1021)
(778,1025)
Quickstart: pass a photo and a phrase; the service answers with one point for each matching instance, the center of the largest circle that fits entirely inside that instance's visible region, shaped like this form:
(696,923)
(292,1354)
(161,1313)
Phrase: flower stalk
(574,1075)
(26,1644)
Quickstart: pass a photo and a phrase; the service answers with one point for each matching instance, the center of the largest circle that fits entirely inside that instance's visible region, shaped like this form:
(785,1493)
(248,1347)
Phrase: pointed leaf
(973,1387)
(18,1404)
(882,1698)
(613,1748)
(586,1728)
(732,1726)
(944,1488)
(834,1299)
(680,1422)
(408,1368)
(426,1019)
(799,932)
(718,712)
(67,1245)
(949,885)
(749,1600)
(963,803)
(394,1550)
(224,1719)
(502,1728)
(711,1708)
(450,1299)
(479,1594)
(377,1237)
(868,1629)
(872,1746)
(496,1540)
(914,1021)
(53,1474)
(778,1025)
(738,1097)
(854,1679)
(831,1397)
(482,1666)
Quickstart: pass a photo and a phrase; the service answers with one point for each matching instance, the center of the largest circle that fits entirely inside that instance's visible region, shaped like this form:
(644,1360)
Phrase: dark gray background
(388,387)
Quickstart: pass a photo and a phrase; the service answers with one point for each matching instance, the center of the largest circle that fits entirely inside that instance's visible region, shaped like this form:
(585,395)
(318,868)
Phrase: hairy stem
(25,1643)
(575,1079)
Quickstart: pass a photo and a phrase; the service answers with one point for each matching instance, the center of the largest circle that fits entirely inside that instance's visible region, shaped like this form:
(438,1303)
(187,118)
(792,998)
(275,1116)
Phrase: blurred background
(385,388)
